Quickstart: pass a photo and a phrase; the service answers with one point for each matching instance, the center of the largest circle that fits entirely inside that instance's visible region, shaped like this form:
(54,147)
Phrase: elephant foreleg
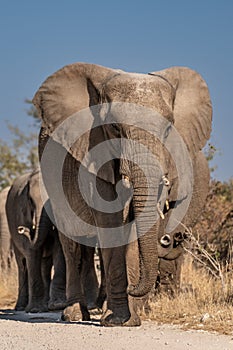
(57,299)
(36,301)
(22,299)
(88,276)
(132,263)
(117,312)
(46,267)
(102,289)
(77,308)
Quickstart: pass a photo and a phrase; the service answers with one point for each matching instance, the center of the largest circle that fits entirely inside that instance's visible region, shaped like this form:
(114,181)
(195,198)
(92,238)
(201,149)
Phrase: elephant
(7,259)
(36,246)
(121,159)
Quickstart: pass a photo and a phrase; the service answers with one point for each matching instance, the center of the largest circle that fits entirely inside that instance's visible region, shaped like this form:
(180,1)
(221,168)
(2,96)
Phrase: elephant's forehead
(136,79)
(135,84)
(145,90)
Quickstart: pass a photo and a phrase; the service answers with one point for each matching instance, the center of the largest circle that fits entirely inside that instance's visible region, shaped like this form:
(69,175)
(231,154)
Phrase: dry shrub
(202,303)
(215,225)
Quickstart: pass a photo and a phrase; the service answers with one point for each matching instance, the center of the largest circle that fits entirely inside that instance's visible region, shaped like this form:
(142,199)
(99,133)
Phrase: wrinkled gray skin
(7,259)
(37,248)
(82,287)
(181,96)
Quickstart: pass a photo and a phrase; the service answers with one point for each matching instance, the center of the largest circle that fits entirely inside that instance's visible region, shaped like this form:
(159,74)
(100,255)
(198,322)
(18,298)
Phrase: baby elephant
(37,248)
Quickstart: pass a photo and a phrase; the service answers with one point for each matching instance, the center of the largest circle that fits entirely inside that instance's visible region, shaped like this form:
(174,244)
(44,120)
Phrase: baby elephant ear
(192,106)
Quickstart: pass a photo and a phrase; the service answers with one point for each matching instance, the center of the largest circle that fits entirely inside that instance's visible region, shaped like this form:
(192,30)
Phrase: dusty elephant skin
(168,178)
(7,258)
(37,248)
(82,288)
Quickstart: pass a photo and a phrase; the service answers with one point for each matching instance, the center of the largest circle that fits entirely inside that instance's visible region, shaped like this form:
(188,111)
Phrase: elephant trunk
(42,227)
(145,200)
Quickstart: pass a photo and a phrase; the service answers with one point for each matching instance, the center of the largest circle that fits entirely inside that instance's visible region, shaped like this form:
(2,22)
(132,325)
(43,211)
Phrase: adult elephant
(110,138)
(7,259)
(37,247)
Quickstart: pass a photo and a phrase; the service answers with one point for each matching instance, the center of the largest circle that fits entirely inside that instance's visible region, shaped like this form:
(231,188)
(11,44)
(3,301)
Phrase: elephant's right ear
(68,92)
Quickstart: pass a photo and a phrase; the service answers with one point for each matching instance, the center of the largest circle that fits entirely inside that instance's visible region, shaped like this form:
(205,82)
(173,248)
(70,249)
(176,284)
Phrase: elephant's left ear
(192,106)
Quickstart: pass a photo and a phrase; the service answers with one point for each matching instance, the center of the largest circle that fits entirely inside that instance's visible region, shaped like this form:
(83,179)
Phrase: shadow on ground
(43,317)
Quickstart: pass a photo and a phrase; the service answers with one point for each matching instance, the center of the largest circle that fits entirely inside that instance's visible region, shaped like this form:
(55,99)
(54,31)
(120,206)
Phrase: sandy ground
(19,330)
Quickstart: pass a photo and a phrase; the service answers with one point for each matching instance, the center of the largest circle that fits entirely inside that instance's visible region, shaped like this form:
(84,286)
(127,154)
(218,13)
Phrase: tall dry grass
(204,302)
(8,289)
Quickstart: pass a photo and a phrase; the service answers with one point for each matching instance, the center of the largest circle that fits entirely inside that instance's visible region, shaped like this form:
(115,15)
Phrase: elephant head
(30,214)
(139,110)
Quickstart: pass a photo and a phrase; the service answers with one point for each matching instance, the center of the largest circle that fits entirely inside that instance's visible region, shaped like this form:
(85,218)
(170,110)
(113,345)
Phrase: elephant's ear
(192,106)
(20,194)
(20,185)
(70,92)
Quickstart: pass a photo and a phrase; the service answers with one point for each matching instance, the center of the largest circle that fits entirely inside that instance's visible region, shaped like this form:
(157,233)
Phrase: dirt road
(19,330)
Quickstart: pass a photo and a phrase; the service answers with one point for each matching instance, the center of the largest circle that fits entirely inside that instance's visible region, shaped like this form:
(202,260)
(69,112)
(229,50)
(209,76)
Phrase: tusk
(165,180)
(23,230)
(126,182)
(165,240)
(160,211)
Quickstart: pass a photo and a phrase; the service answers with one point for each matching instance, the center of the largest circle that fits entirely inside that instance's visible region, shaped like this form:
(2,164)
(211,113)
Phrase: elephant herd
(122,174)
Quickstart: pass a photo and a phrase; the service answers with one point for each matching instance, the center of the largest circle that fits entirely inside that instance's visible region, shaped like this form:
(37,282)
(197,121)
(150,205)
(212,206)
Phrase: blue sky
(39,37)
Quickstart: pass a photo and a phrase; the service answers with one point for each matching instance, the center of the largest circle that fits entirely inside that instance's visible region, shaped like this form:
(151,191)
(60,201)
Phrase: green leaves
(19,154)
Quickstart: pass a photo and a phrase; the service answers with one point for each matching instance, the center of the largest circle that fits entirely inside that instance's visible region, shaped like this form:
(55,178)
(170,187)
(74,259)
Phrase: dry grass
(203,303)
(8,289)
